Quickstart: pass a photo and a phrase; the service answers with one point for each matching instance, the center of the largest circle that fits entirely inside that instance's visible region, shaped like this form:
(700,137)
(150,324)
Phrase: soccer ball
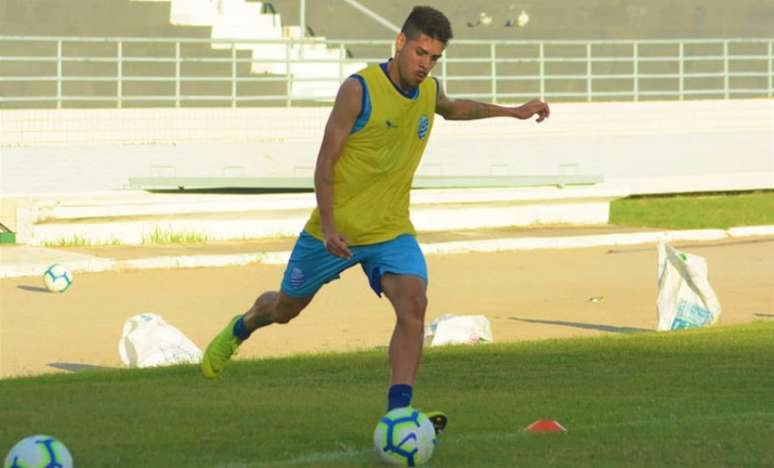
(405,437)
(39,451)
(57,278)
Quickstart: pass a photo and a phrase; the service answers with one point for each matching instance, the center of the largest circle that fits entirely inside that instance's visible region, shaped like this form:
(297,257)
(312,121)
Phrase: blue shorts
(311,265)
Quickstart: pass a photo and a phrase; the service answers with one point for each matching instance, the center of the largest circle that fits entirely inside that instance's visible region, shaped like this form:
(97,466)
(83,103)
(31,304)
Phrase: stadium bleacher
(242,19)
(559,19)
(556,19)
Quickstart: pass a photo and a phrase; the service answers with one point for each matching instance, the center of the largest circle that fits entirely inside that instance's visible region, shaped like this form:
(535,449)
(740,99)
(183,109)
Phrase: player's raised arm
(345,110)
(466,109)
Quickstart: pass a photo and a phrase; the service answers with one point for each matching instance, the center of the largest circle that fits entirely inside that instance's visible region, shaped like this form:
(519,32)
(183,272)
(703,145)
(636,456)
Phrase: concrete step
(135,218)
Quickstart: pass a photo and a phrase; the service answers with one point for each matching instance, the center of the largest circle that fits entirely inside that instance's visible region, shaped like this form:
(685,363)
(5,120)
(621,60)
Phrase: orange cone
(545,425)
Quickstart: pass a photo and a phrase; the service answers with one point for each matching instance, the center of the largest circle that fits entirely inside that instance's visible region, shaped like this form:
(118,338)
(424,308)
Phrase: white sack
(466,329)
(149,341)
(685,297)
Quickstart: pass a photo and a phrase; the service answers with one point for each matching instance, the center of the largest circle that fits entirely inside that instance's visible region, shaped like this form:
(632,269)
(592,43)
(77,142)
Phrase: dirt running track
(527,295)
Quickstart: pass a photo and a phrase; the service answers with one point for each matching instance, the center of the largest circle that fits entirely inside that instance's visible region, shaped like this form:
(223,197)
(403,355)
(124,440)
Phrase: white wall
(647,147)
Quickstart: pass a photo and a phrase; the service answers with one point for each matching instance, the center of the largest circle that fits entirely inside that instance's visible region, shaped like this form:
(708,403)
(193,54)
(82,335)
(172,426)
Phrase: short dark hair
(427,20)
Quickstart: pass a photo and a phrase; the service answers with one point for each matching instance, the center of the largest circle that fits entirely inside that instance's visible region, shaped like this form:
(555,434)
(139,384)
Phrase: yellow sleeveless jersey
(373,176)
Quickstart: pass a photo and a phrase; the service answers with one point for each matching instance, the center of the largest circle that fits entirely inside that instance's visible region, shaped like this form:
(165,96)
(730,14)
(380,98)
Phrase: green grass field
(690,398)
(695,211)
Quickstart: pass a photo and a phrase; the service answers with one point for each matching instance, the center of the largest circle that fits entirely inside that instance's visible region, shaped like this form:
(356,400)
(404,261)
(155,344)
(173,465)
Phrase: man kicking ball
(373,142)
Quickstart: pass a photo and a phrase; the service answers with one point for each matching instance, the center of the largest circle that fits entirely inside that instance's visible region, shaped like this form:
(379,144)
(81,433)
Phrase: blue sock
(399,396)
(240,331)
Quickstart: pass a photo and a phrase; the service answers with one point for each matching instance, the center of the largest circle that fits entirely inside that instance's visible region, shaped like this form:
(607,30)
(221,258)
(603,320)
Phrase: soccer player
(373,142)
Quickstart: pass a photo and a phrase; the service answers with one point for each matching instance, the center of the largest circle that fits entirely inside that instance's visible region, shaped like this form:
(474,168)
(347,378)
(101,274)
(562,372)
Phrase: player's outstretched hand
(336,244)
(533,107)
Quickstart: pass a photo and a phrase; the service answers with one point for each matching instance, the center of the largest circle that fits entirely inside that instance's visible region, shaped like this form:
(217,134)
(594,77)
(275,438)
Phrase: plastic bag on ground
(149,341)
(685,297)
(430,329)
(453,329)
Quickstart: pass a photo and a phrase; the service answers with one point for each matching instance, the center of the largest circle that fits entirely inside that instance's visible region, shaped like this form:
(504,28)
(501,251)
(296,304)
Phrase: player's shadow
(75,367)
(33,288)
(584,326)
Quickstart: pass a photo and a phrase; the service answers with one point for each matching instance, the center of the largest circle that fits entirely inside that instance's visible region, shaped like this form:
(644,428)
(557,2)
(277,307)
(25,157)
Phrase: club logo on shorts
(296,278)
(423,126)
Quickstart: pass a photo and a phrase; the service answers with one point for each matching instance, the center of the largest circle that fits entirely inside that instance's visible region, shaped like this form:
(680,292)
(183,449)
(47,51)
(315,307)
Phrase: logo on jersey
(423,127)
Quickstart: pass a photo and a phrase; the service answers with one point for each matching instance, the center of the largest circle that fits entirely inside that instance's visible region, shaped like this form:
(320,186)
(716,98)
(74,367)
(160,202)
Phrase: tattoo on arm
(466,109)
(470,110)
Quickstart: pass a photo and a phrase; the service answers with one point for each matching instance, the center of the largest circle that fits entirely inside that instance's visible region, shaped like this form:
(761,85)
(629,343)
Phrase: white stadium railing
(500,71)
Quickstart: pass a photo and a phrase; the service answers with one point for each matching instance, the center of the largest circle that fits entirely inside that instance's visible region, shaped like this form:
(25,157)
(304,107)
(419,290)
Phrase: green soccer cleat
(439,420)
(220,350)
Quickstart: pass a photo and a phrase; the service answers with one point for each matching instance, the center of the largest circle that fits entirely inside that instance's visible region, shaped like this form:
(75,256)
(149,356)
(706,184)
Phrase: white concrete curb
(751,231)
(96,264)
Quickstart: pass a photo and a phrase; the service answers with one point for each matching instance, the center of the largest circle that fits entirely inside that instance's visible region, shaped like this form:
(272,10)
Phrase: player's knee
(413,309)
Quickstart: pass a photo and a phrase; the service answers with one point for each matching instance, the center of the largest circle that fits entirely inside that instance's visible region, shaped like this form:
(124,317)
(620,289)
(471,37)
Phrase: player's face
(416,57)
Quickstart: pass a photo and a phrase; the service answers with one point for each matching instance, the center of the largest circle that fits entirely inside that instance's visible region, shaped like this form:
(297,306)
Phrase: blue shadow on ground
(33,288)
(584,326)
(75,367)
